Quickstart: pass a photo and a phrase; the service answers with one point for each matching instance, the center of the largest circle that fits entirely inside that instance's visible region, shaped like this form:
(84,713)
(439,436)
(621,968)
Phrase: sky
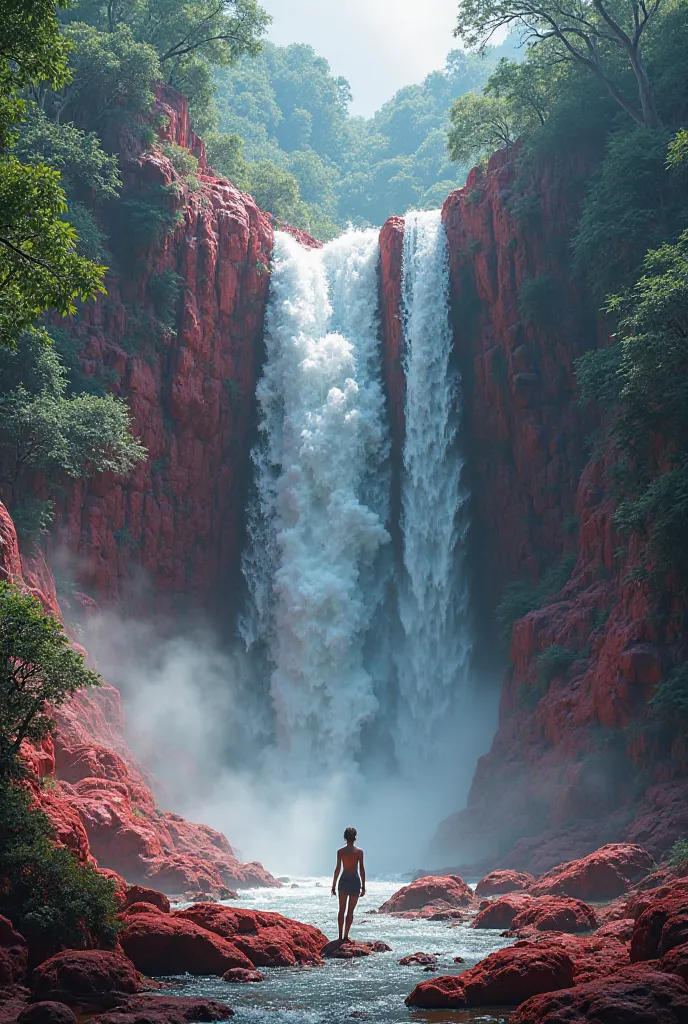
(378,45)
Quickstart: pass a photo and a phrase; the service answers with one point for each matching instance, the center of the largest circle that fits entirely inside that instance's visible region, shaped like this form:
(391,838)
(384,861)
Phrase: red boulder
(451,889)
(140,894)
(240,976)
(602,875)
(499,882)
(268,939)
(167,1010)
(592,957)
(500,913)
(163,944)
(634,995)
(14,954)
(88,978)
(445,993)
(557,914)
(647,942)
(676,961)
(505,978)
(47,1013)
(418,960)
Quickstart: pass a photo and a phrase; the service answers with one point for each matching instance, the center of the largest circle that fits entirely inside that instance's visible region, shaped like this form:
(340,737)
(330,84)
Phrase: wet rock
(661,926)
(497,883)
(505,978)
(676,961)
(13,1001)
(450,889)
(555,913)
(500,913)
(90,978)
(240,976)
(167,1010)
(602,875)
(418,960)
(621,930)
(14,954)
(140,894)
(634,994)
(47,1012)
(160,944)
(267,939)
(592,957)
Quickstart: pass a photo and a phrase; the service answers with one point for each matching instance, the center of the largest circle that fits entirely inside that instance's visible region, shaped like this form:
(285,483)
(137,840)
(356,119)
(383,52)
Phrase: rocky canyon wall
(566,769)
(187,362)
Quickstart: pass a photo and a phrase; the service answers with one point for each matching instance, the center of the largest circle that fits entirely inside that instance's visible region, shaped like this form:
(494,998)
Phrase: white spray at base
(318,525)
(433,594)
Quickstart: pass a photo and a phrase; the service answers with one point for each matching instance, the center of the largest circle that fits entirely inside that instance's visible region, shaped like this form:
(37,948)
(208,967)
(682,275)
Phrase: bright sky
(378,45)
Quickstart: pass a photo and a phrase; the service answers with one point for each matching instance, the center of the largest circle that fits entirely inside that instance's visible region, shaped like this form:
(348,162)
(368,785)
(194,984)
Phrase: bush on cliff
(52,899)
(38,669)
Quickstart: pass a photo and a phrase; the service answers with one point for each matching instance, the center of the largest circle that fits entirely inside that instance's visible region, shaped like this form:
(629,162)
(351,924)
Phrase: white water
(318,527)
(366,661)
(373,986)
(433,596)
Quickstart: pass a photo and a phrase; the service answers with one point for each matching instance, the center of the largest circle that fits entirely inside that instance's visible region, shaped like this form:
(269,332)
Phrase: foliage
(537,300)
(183,160)
(143,220)
(677,857)
(49,897)
(670,700)
(590,33)
(555,660)
(38,668)
(187,39)
(163,289)
(86,171)
(43,429)
(633,203)
(32,518)
(522,596)
(480,124)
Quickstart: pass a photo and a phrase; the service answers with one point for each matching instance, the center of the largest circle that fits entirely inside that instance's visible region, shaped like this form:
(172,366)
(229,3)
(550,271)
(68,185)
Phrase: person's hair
(350,834)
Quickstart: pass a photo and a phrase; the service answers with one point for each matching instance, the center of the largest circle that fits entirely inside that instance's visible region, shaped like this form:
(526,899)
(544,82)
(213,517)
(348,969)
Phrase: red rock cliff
(562,775)
(190,388)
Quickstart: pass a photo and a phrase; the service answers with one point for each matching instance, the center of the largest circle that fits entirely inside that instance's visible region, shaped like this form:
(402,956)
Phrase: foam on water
(433,593)
(375,986)
(318,525)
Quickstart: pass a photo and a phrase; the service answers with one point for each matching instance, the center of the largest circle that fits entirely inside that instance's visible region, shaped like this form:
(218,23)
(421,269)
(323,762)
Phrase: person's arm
(336,872)
(362,875)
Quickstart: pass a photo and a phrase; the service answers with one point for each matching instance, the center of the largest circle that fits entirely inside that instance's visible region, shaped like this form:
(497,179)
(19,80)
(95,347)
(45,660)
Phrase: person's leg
(340,917)
(353,900)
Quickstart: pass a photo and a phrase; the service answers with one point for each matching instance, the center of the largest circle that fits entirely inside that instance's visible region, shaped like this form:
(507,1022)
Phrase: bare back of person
(351,882)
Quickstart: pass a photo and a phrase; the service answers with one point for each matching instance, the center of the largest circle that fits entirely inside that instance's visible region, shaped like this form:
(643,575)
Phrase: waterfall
(317,528)
(433,594)
(362,659)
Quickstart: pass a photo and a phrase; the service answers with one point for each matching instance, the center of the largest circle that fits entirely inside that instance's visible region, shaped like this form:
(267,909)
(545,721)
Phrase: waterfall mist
(345,697)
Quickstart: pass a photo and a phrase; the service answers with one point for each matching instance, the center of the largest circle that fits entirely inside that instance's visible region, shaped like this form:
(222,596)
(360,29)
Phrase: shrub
(555,660)
(32,518)
(163,290)
(537,300)
(678,856)
(47,894)
(183,160)
(522,596)
(670,700)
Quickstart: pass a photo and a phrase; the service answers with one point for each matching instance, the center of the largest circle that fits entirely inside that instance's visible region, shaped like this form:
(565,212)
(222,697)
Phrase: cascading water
(433,594)
(317,528)
(319,566)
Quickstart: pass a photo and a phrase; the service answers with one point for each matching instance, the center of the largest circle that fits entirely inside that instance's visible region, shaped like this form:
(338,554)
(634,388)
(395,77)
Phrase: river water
(375,986)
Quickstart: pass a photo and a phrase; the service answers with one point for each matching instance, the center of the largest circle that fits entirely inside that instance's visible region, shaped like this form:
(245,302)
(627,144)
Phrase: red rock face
(97,796)
(505,978)
(177,518)
(636,993)
(602,875)
(520,321)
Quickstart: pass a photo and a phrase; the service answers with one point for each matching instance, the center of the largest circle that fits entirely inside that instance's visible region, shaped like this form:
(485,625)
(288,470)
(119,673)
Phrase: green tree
(38,669)
(591,33)
(479,125)
(40,266)
(54,901)
(41,429)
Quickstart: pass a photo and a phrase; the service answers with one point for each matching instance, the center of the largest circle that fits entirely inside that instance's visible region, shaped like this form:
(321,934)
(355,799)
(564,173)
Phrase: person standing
(351,883)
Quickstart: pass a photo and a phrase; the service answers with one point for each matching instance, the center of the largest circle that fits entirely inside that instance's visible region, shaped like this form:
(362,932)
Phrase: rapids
(374,987)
